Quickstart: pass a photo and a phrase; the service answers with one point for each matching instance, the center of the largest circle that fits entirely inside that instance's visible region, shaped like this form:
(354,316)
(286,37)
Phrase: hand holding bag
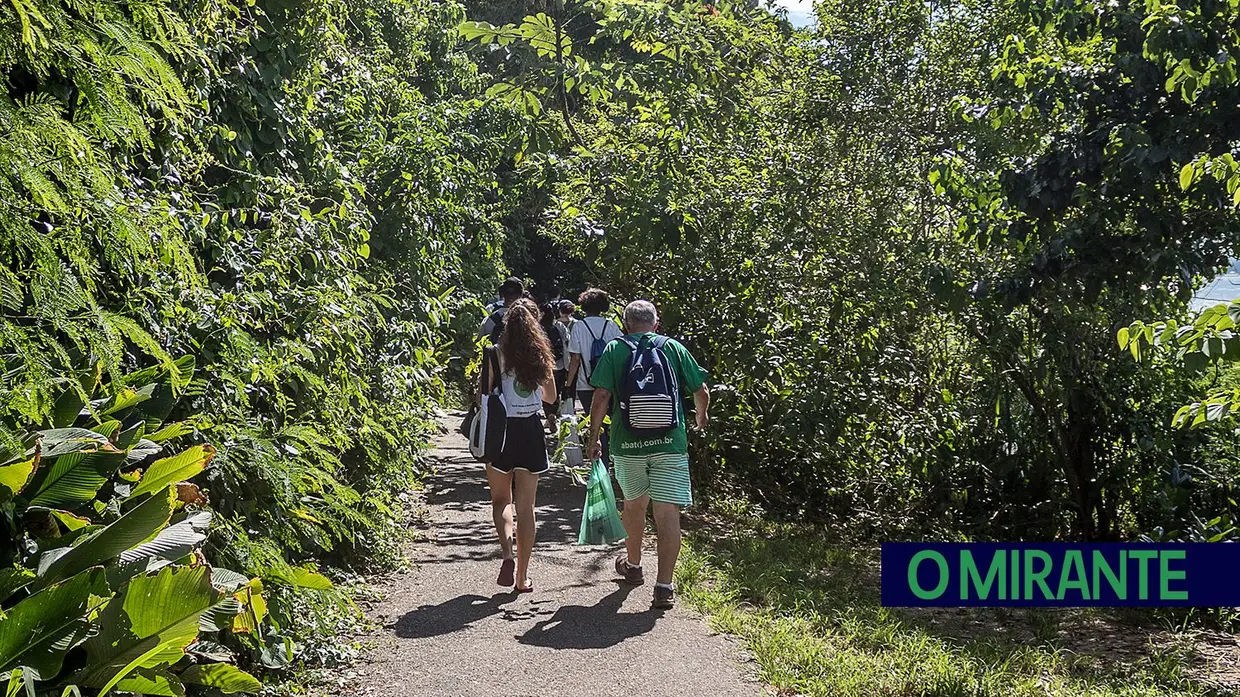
(600,521)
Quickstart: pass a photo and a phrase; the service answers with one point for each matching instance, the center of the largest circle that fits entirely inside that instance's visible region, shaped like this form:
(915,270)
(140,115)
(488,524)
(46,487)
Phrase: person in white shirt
(585,346)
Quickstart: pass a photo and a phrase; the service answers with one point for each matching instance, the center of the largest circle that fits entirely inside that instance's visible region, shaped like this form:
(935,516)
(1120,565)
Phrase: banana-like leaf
(127,398)
(68,408)
(177,468)
(227,579)
(226,678)
(173,542)
(131,529)
(18,679)
(14,579)
(70,521)
(73,478)
(141,450)
(62,441)
(39,629)
(302,578)
(219,616)
(176,430)
(149,681)
(148,625)
(131,436)
(254,608)
(15,477)
(108,428)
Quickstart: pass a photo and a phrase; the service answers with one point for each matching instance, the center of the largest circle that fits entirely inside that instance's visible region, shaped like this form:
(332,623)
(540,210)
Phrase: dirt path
(449,631)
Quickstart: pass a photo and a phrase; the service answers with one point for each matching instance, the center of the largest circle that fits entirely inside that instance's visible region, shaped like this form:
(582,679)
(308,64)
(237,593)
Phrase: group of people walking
(544,355)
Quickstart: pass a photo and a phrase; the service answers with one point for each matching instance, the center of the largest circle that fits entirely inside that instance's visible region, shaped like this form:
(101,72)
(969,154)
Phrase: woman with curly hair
(527,378)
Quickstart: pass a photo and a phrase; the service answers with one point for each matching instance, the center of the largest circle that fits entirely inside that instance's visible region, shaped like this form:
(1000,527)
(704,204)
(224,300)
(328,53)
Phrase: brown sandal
(529,587)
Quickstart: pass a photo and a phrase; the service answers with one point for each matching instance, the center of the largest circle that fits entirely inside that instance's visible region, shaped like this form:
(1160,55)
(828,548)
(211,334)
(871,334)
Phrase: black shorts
(525,447)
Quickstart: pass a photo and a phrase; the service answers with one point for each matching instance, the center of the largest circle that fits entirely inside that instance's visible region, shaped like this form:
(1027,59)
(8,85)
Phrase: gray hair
(640,313)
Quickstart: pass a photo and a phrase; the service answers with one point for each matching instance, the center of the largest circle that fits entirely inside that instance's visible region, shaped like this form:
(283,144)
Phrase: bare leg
(667,525)
(501,511)
(526,491)
(634,519)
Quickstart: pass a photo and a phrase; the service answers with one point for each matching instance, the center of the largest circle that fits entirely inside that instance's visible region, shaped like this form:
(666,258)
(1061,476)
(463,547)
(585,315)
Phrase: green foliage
(104,556)
(807,607)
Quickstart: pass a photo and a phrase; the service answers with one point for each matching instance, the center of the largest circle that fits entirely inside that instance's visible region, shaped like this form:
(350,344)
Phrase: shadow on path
(449,616)
(596,626)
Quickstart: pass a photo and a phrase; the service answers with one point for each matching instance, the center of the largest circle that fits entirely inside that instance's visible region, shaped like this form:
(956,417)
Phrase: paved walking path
(449,631)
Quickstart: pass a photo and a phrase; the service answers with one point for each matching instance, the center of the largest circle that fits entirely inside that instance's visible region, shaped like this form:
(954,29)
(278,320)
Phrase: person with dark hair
(559,349)
(526,376)
(589,338)
(510,291)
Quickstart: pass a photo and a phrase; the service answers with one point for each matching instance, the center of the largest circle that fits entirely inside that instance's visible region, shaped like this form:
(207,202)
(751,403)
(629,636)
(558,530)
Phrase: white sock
(632,565)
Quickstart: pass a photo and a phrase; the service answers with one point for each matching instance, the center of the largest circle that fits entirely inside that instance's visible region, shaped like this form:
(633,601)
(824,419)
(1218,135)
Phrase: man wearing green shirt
(650,468)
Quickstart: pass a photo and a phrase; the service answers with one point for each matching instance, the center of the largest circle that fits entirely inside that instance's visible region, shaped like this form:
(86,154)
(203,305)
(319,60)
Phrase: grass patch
(808,609)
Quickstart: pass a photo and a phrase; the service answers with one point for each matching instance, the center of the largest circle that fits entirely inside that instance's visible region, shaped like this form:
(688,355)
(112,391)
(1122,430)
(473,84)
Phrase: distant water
(1223,289)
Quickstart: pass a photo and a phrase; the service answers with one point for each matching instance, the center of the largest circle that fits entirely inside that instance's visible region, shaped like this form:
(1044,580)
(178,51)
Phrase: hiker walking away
(589,339)
(557,336)
(642,377)
(510,291)
(565,320)
(526,373)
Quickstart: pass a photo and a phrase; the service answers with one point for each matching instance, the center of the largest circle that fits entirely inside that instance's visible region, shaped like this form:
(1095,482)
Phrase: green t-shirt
(611,368)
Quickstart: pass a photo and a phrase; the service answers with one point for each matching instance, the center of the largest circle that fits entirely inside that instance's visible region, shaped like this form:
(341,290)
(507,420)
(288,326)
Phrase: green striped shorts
(665,476)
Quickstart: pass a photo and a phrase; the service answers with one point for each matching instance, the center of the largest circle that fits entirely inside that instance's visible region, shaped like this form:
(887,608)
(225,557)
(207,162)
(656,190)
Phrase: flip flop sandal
(507,573)
(529,587)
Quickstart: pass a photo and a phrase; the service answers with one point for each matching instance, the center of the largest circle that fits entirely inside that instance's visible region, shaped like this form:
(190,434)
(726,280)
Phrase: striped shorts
(665,476)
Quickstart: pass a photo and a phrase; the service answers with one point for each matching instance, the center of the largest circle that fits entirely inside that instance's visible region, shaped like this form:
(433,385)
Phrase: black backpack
(649,389)
(556,339)
(497,328)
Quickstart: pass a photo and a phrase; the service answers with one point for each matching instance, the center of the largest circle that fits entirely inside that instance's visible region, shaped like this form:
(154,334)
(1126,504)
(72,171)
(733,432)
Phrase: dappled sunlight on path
(448,630)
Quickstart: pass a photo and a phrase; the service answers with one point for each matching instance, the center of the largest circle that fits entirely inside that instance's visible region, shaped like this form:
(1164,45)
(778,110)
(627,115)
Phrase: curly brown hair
(527,353)
(594,301)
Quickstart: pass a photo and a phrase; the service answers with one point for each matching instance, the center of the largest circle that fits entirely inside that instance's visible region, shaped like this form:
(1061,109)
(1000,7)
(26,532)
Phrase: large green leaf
(226,678)
(172,543)
(73,478)
(14,477)
(61,441)
(37,631)
(177,468)
(126,399)
(149,624)
(151,681)
(14,579)
(129,530)
(67,408)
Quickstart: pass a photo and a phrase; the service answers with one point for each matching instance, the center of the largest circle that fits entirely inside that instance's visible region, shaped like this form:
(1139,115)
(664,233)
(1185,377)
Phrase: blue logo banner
(1020,574)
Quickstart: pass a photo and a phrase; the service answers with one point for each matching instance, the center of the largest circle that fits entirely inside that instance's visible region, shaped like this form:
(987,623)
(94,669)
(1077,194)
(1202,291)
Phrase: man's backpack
(649,389)
(597,346)
(555,338)
(497,324)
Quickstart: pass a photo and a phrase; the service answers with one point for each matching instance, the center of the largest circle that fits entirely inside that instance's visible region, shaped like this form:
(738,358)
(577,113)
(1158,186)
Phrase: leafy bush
(105,586)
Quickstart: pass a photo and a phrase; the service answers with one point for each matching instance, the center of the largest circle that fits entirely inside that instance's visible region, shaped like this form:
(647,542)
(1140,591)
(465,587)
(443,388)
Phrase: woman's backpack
(649,389)
(489,428)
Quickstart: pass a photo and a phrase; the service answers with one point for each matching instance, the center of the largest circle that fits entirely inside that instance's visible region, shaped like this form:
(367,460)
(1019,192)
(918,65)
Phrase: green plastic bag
(600,521)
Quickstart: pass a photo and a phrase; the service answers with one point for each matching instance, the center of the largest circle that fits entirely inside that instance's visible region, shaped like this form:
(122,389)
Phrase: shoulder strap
(586,322)
(497,369)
